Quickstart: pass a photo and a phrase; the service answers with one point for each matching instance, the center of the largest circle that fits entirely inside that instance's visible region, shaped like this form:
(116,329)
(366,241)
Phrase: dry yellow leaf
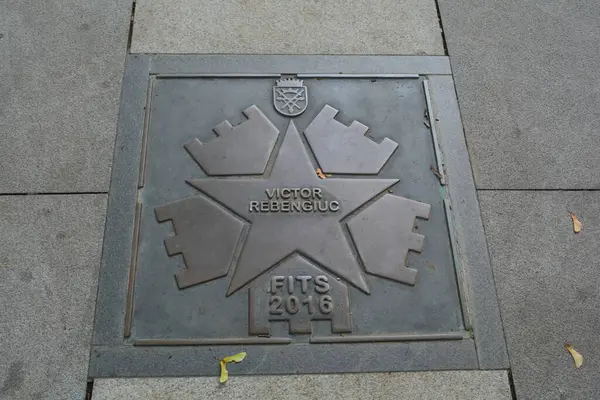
(577,224)
(224,361)
(435,172)
(577,358)
(320,173)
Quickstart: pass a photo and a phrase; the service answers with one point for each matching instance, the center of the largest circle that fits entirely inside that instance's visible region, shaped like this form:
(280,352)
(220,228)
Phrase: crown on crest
(289,82)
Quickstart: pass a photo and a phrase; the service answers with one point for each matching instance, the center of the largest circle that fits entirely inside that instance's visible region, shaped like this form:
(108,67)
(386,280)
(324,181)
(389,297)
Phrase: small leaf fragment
(577,224)
(224,361)
(577,358)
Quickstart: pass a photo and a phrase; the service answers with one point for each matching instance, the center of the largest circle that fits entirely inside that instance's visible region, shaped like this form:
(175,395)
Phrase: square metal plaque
(316,212)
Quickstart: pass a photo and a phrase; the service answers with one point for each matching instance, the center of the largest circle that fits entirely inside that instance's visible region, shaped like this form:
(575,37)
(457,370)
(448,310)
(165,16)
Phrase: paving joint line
(89,390)
(511,384)
(536,190)
(439,17)
(48,193)
(130,33)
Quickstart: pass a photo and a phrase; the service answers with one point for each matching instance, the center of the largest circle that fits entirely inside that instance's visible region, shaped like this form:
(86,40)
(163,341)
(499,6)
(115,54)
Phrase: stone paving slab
(287,27)
(526,77)
(549,288)
(443,385)
(61,67)
(48,272)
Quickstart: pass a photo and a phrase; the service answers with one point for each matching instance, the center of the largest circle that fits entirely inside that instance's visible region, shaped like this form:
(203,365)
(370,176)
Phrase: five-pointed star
(274,236)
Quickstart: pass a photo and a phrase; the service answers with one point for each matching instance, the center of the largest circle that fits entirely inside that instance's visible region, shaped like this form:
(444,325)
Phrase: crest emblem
(290,97)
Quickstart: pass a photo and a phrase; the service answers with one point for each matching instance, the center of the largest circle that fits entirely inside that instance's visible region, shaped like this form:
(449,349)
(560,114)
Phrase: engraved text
(288,200)
(289,294)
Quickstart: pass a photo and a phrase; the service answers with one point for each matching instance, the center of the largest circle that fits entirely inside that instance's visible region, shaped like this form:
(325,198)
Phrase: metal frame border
(469,241)
(114,356)
(117,254)
(293,65)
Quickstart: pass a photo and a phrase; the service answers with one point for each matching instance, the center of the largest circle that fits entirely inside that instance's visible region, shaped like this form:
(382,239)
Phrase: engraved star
(274,236)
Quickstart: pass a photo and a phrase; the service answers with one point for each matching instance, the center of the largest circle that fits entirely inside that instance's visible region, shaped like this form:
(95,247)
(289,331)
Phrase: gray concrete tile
(61,67)
(441,385)
(287,27)
(548,285)
(526,77)
(49,262)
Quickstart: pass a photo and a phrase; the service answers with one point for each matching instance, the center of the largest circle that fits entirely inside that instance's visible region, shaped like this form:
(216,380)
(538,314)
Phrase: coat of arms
(290,97)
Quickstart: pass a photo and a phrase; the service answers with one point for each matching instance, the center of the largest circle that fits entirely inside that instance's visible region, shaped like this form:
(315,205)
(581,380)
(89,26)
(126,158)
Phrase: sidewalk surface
(526,77)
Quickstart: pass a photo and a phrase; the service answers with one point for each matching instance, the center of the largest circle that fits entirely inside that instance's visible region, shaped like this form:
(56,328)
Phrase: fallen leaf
(320,174)
(224,372)
(435,172)
(577,358)
(239,357)
(577,224)
(224,361)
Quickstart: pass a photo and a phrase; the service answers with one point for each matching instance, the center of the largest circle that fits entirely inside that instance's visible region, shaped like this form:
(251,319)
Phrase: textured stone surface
(287,27)
(526,76)
(549,288)
(446,385)
(48,270)
(61,68)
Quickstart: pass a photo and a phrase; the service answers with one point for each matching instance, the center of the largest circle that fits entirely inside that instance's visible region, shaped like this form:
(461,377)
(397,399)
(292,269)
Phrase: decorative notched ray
(342,149)
(238,150)
(391,219)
